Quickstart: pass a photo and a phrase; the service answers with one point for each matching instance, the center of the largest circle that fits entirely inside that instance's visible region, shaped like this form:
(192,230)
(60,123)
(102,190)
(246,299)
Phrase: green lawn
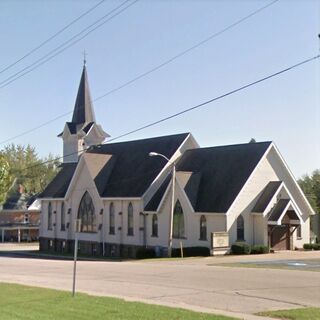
(294,314)
(30,303)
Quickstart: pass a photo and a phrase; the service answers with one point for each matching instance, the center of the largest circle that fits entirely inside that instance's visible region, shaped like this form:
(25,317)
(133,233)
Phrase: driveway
(199,284)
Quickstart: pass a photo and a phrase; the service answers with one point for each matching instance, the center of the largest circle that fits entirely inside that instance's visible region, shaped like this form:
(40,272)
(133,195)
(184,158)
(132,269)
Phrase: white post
(172,210)
(19,235)
(77,229)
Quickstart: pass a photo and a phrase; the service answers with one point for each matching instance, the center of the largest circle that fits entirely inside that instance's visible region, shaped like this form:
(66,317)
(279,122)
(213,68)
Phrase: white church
(123,196)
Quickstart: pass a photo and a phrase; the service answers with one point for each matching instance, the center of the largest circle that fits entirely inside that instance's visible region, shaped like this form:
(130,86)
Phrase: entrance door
(280,238)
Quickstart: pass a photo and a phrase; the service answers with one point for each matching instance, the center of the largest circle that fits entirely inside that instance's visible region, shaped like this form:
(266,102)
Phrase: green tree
(310,185)
(5,178)
(28,169)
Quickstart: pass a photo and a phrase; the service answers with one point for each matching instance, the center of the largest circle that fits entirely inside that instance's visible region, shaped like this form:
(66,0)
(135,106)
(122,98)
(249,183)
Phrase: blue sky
(285,109)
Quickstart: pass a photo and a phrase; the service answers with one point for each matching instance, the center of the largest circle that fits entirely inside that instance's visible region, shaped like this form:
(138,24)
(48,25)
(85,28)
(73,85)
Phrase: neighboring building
(18,220)
(123,196)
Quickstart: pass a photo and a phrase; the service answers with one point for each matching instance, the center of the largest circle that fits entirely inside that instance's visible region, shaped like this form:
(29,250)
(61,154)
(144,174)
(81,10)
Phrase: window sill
(299,238)
(203,239)
(180,238)
(154,236)
(130,235)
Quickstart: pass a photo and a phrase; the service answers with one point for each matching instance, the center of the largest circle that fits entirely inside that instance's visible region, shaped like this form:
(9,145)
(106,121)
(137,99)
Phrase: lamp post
(154,154)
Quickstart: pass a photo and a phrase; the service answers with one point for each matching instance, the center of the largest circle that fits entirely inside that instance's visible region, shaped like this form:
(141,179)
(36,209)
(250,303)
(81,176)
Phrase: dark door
(280,238)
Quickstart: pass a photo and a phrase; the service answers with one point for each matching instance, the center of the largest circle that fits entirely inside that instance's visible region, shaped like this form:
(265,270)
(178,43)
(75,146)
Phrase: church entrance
(280,237)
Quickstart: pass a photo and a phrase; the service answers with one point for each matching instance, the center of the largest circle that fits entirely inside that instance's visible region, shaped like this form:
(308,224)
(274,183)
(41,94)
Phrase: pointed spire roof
(83,109)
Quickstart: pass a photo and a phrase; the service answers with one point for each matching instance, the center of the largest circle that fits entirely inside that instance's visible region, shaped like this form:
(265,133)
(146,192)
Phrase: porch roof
(281,214)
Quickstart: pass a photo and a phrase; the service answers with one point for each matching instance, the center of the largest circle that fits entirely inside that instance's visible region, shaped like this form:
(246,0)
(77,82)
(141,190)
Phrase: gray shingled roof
(128,173)
(58,187)
(154,202)
(278,210)
(83,110)
(266,196)
(132,170)
(219,173)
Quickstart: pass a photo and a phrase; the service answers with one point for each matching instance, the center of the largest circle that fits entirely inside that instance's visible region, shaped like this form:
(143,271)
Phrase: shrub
(259,249)
(145,253)
(191,252)
(240,248)
(307,246)
(316,246)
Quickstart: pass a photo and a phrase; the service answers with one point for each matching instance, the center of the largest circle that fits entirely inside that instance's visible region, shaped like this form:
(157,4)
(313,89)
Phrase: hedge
(191,252)
(311,246)
(145,253)
(240,248)
(259,249)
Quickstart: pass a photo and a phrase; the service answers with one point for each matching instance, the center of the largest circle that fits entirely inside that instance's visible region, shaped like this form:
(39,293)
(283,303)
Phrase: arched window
(240,228)
(49,216)
(63,217)
(130,219)
(178,221)
(86,214)
(111,219)
(154,225)
(203,228)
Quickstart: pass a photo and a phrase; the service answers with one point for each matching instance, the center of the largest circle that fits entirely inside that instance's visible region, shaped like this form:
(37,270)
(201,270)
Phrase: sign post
(76,231)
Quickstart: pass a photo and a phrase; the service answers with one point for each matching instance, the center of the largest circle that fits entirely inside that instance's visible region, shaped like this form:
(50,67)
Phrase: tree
(28,169)
(5,179)
(310,185)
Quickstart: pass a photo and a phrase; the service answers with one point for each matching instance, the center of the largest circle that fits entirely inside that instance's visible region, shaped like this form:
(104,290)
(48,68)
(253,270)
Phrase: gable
(219,174)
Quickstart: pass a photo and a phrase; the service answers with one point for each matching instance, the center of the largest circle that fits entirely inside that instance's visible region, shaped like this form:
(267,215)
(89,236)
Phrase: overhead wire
(51,37)
(66,45)
(241,88)
(153,69)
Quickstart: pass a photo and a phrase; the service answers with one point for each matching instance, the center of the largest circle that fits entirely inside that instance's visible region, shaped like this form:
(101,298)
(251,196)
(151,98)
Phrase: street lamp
(155,154)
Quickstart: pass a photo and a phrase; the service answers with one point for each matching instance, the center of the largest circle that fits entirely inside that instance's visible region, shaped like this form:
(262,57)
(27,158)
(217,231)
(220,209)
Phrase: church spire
(83,109)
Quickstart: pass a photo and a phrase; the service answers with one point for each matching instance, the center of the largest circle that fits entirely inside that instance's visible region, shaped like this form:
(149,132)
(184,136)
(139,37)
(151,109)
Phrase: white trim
(120,198)
(164,196)
(284,211)
(168,164)
(293,178)
(249,178)
(51,199)
(74,177)
(185,195)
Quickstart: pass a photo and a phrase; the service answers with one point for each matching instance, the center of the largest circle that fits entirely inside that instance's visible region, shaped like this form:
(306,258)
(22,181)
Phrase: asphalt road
(199,284)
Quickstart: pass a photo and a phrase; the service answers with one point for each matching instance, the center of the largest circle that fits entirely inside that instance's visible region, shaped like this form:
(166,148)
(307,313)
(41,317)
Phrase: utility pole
(76,231)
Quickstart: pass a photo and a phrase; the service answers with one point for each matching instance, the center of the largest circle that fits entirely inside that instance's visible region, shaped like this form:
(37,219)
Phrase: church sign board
(219,243)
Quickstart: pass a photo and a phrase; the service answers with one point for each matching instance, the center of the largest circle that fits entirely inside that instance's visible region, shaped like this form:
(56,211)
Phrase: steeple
(82,132)
(83,109)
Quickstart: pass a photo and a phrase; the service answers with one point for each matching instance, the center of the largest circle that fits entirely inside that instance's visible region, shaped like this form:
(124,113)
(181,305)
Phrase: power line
(191,108)
(49,56)
(51,37)
(144,74)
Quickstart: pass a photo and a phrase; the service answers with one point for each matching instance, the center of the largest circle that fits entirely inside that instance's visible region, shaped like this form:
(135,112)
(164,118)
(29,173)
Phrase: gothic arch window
(203,228)
(49,216)
(240,228)
(63,217)
(111,219)
(154,225)
(86,213)
(130,219)
(178,221)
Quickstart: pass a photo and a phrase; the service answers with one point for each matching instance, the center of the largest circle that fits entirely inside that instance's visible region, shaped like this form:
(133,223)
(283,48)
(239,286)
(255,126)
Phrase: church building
(123,196)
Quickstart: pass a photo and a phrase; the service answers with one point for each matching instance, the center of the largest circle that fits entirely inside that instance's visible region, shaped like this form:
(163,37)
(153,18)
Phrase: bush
(240,248)
(191,252)
(316,246)
(307,246)
(145,253)
(259,249)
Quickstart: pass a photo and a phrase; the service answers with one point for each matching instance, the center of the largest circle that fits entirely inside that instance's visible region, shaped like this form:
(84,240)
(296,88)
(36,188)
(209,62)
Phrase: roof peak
(83,109)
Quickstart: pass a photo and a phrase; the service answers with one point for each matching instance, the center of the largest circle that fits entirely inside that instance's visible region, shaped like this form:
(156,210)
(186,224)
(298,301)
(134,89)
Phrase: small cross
(84,57)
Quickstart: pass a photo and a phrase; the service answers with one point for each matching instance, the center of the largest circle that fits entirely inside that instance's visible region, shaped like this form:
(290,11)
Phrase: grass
(30,303)
(294,314)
